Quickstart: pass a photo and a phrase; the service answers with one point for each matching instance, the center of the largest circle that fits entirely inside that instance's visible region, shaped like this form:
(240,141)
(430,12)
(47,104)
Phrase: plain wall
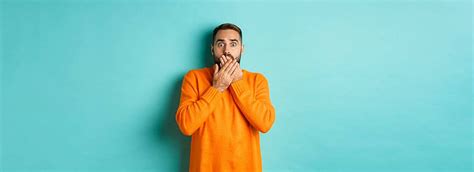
(377,86)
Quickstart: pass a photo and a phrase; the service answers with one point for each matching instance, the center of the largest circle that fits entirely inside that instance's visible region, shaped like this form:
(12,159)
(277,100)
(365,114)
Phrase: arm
(193,110)
(259,110)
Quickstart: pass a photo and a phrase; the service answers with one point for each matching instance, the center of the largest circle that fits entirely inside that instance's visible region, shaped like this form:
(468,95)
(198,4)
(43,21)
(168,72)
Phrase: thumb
(216,68)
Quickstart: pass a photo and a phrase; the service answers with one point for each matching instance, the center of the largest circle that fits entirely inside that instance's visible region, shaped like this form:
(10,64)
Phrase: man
(224,108)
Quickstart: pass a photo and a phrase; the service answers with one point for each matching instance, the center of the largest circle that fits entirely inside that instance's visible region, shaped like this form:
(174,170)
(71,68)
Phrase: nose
(226,51)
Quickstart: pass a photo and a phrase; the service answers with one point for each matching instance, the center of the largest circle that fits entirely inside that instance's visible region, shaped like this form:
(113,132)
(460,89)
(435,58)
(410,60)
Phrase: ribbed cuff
(239,86)
(210,94)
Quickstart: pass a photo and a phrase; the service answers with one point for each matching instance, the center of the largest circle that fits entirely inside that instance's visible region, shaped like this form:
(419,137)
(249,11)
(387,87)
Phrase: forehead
(227,34)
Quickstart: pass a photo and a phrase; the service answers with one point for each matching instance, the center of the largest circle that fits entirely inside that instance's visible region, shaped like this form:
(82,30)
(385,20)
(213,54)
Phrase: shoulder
(256,76)
(193,73)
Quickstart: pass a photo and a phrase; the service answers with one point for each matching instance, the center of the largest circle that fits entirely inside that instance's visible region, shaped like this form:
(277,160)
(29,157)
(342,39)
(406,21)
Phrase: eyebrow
(219,40)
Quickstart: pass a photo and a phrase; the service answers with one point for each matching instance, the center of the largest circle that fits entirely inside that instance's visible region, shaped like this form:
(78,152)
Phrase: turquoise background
(357,85)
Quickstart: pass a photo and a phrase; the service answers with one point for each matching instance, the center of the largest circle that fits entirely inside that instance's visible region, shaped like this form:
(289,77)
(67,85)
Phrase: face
(227,42)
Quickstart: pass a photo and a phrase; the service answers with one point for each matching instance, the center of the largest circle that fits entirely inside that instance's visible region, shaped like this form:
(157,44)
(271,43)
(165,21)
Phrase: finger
(222,57)
(216,68)
(234,69)
(225,59)
(237,69)
(232,64)
(221,62)
(229,66)
(226,65)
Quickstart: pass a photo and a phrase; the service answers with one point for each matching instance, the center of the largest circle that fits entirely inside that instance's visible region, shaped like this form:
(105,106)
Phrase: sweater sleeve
(257,109)
(193,109)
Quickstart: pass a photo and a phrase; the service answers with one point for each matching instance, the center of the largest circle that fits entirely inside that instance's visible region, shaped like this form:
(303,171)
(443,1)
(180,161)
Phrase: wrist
(236,79)
(220,89)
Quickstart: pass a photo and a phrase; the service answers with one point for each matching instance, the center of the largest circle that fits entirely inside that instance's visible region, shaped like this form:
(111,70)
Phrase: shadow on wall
(205,47)
(168,129)
(169,132)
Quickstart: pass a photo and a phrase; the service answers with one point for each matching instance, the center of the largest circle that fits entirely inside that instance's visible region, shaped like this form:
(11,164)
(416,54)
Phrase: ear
(242,49)
(212,49)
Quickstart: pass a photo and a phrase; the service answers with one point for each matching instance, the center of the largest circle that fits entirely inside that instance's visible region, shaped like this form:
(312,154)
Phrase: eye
(220,44)
(233,44)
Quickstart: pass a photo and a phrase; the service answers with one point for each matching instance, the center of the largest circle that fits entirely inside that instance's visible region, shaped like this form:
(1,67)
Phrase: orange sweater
(224,126)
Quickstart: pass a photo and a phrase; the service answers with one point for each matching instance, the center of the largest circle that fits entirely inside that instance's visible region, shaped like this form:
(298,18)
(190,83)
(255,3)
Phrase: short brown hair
(224,27)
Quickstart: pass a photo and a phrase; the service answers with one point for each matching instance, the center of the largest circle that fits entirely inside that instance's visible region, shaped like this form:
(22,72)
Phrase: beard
(216,60)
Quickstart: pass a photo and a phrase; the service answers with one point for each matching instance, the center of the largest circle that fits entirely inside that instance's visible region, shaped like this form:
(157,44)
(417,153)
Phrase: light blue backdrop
(357,85)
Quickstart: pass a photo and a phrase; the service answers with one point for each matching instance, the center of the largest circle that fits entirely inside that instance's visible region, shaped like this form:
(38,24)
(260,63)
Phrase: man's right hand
(223,77)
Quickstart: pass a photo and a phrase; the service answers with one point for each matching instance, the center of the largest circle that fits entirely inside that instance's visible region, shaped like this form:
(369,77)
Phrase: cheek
(218,54)
(236,52)
(218,51)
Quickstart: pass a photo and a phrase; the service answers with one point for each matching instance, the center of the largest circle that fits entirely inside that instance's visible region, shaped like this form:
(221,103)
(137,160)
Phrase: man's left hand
(237,73)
